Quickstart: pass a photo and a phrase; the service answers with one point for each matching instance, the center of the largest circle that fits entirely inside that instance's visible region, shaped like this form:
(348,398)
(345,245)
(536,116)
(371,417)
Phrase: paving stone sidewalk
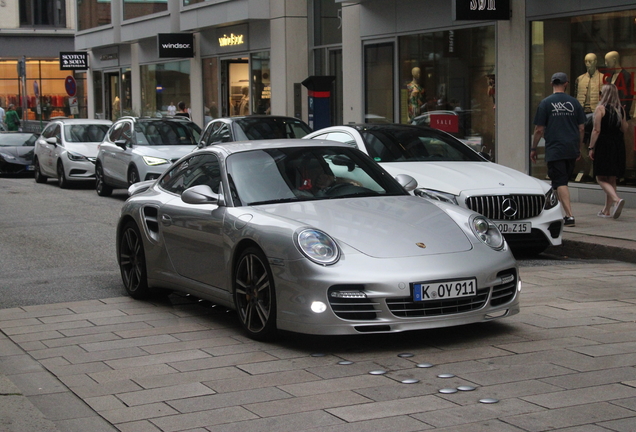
(566,362)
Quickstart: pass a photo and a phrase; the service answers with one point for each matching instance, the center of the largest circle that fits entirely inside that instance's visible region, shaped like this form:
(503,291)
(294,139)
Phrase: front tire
(62,181)
(133,176)
(132,262)
(255,294)
(37,172)
(101,187)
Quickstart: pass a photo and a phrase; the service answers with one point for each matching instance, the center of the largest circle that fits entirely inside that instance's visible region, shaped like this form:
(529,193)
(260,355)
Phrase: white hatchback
(67,149)
(525,209)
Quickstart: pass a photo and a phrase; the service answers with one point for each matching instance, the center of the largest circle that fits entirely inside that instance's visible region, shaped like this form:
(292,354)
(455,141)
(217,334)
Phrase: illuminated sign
(230,40)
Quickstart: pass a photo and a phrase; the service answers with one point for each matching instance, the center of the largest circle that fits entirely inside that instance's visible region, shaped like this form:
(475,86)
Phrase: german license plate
(29,167)
(515,227)
(443,290)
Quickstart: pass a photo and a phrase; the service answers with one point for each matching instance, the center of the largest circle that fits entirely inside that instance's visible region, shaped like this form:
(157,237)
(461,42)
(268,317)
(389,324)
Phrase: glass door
(235,87)
(112,95)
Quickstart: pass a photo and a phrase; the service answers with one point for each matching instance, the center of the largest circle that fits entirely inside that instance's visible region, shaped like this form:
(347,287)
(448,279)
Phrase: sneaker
(617,208)
(569,221)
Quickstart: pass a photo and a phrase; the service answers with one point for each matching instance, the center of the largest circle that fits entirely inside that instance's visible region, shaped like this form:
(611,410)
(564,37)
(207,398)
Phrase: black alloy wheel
(255,295)
(39,177)
(62,181)
(132,262)
(101,187)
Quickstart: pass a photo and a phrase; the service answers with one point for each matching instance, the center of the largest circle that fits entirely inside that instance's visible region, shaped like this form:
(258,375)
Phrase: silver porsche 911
(312,237)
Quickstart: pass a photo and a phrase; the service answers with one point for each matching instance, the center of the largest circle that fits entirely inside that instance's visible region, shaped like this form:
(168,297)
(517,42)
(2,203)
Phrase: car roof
(257,116)
(244,146)
(81,121)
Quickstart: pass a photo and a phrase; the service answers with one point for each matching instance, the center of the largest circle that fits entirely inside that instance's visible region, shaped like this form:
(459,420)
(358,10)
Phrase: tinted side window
(197,170)
(49,131)
(221,134)
(115,132)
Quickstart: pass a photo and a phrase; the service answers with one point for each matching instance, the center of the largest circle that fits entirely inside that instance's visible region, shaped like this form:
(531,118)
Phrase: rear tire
(101,187)
(132,262)
(39,177)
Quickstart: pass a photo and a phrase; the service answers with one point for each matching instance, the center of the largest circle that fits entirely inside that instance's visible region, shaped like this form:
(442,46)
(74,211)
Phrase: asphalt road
(56,245)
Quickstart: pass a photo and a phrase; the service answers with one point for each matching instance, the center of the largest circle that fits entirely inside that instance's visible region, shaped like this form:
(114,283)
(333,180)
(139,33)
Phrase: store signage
(471,10)
(445,122)
(179,45)
(73,60)
(111,56)
(232,39)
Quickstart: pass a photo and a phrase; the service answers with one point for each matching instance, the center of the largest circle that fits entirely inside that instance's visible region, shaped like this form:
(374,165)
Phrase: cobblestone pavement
(566,363)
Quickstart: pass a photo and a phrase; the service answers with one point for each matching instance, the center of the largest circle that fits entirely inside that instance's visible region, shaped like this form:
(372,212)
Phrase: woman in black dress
(607,148)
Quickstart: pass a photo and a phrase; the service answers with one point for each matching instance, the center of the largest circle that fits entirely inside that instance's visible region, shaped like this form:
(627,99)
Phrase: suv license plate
(514,227)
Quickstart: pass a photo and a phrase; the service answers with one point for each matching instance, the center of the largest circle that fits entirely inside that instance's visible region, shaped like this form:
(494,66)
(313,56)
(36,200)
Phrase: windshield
(167,132)
(305,173)
(410,144)
(259,128)
(85,133)
(17,139)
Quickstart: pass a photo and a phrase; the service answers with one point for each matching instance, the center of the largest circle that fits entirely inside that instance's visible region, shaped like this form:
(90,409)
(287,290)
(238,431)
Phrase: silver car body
(386,244)
(489,188)
(72,145)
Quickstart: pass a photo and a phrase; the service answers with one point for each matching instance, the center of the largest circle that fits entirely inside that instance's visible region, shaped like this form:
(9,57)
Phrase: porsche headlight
(318,247)
(487,232)
(153,161)
(551,199)
(7,156)
(436,195)
(76,156)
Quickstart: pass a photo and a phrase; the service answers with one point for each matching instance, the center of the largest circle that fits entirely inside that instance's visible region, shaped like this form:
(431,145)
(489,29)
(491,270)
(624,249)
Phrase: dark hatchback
(254,127)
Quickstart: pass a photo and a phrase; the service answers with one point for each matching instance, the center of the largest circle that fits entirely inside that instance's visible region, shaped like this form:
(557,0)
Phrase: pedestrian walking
(560,121)
(607,148)
(12,118)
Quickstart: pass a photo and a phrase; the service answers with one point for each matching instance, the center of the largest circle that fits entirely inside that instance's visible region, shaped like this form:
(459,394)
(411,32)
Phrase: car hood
(467,177)
(23,154)
(171,152)
(381,227)
(88,149)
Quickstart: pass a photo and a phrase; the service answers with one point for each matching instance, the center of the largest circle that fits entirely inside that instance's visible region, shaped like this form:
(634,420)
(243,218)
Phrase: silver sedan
(312,237)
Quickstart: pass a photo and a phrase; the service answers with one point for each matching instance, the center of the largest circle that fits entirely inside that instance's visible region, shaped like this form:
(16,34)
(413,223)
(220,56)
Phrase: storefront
(592,49)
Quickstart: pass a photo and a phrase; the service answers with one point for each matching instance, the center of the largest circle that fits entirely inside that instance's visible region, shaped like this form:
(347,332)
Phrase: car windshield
(76,133)
(17,139)
(305,173)
(167,132)
(260,128)
(414,144)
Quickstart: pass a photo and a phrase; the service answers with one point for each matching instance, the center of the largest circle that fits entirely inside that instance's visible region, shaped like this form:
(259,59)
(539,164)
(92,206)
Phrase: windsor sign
(472,10)
(179,45)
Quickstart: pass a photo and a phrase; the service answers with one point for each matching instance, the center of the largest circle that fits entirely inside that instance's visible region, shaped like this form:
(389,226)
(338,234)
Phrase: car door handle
(166,220)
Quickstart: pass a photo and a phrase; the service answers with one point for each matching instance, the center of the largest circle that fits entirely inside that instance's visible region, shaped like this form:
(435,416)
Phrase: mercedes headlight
(551,199)
(153,161)
(487,232)
(318,246)
(76,156)
(436,195)
(7,156)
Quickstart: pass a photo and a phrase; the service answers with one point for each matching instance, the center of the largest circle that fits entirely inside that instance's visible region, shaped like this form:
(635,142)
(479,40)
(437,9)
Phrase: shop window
(447,82)
(327,16)
(378,83)
(211,100)
(592,50)
(92,13)
(42,13)
(139,8)
(261,83)
(163,85)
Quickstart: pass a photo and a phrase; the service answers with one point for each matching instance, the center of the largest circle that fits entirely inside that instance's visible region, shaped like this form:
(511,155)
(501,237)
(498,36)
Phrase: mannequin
(620,78)
(588,86)
(244,103)
(415,94)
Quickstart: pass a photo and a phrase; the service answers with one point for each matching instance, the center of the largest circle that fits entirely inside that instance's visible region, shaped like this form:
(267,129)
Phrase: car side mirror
(201,194)
(406,181)
(52,140)
(121,143)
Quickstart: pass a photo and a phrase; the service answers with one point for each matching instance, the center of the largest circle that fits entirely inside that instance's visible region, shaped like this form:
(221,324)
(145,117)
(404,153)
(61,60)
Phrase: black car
(16,152)
(254,127)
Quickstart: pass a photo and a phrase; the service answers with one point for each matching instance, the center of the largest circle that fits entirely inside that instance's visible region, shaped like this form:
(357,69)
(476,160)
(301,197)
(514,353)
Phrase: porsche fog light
(318,247)
(487,232)
(153,161)
(318,307)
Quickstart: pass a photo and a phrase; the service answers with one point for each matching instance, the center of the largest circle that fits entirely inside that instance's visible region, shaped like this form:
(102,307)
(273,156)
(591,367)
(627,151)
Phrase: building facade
(475,68)
(36,32)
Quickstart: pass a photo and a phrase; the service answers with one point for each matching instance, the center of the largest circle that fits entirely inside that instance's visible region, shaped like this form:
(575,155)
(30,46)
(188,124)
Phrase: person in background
(560,121)
(607,148)
(1,116)
(12,118)
(183,112)
(172,110)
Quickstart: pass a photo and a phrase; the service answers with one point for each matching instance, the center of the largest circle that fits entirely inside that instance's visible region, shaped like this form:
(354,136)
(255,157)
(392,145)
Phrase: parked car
(254,127)
(16,152)
(142,148)
(524,208)
(67,149)
(312,237)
